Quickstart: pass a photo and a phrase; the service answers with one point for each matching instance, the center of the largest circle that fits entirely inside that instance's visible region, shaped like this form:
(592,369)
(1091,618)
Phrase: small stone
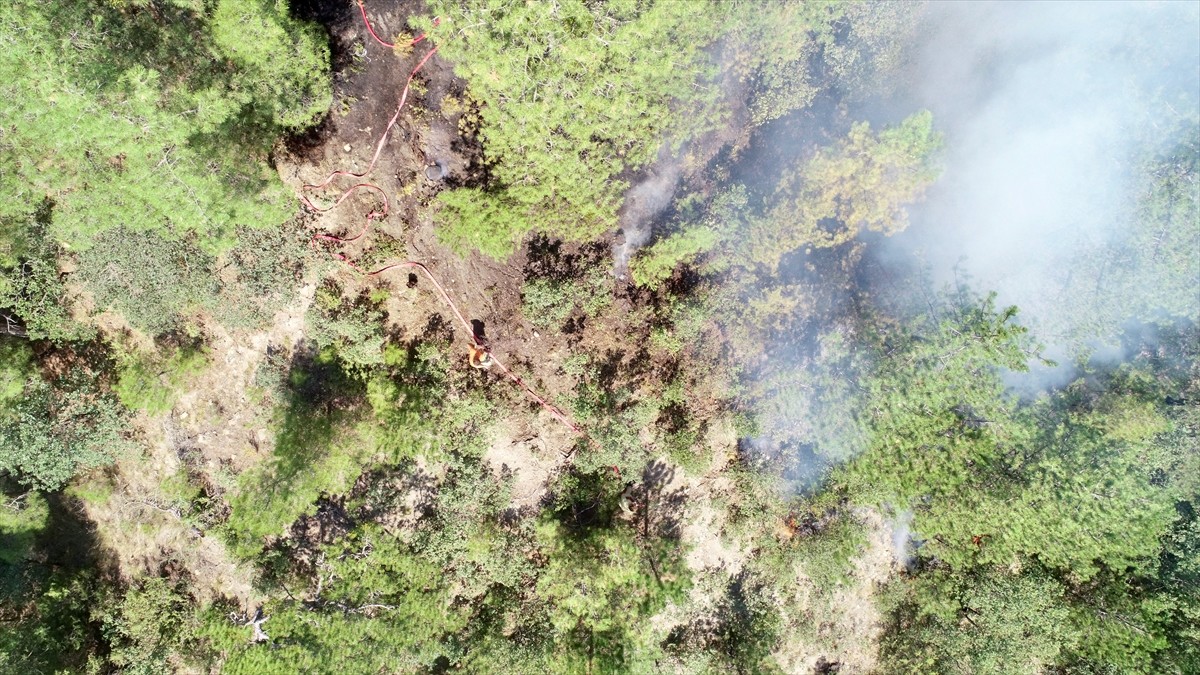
(536,334)
(346,147)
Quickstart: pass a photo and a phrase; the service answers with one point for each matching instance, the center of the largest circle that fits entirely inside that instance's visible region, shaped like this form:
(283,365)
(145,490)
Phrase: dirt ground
(423,154)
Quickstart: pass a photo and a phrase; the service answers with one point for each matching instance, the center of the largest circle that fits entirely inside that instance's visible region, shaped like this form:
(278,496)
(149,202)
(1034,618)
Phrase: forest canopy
(511,337)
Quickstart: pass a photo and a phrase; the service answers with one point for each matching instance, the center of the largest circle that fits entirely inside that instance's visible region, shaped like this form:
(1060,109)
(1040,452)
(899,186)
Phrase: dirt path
(213,432)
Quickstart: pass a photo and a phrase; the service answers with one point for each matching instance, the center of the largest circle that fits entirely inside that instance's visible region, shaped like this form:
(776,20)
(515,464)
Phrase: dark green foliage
(258,275)
(548,303)
(156,283)
(747,627)
(602,587)
(351,327)
(992,622)
(316,451)
(152,623)
(468,533)
(57,633)
(32,293)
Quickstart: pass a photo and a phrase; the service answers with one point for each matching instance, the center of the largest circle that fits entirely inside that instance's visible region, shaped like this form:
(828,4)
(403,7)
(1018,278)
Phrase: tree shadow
(319,395)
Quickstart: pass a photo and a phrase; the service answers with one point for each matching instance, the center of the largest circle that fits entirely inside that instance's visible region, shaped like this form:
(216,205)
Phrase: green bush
(56,431)
(351,327)
(152,384)
(150,280)
(548,303)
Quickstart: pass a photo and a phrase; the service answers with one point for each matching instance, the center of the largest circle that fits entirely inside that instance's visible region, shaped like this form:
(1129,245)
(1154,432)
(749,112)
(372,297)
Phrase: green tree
(861,183)
(57,430)
(572,96)
(1152,269)
(991,622)
(602,590)
(146,118)
(147,632)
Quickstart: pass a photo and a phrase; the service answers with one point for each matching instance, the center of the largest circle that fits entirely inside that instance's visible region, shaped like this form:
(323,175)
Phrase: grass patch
(152,383)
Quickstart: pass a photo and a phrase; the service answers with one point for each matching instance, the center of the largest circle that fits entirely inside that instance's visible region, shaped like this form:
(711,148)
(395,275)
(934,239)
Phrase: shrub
(150,280)
(55,432)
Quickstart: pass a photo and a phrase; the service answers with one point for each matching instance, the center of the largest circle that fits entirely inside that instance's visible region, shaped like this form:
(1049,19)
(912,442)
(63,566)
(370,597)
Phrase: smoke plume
(1046,109)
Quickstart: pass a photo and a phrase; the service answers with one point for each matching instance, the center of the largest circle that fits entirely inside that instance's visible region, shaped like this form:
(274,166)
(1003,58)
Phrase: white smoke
(1045,108)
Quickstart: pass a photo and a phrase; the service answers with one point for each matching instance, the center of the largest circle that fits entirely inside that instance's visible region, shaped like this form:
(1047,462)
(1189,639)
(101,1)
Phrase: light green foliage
(945,438)
(137,119)
(21,520)
(152,382)
(655,264)
(772,46)
(1073,518)
(153,621)
(57,430)
(862,183)
(827,557)
(573,95)
(281,62)
(816,405)
(402,405)
(990,623)
(474,219)
(1089,498)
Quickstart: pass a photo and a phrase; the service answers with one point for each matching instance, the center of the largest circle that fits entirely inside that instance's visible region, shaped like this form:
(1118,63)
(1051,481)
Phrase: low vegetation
(221,452)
